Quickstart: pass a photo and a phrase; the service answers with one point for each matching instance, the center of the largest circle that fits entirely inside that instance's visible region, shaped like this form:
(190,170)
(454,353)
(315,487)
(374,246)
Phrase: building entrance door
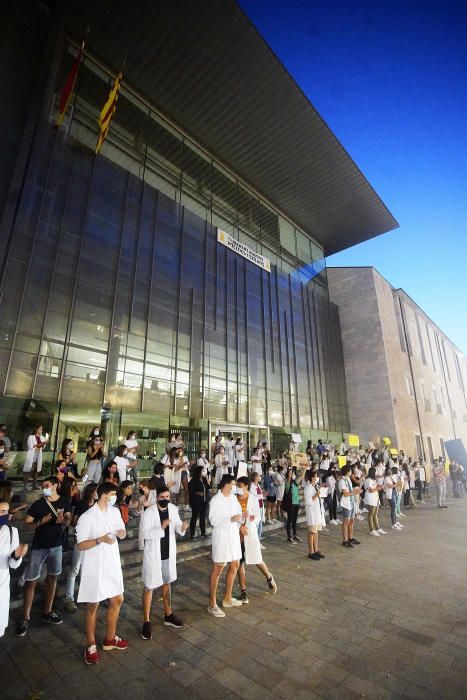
(250,435)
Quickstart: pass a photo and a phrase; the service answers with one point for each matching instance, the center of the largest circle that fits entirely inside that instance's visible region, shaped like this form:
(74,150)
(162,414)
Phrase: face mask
(125,454)
(112,500)
(141,492)
(95,432)
(47,492)
(234,490)
(163,502)
(240,491)
(2,452)
(63,470)
(4,519)
(95,497)
(203,454)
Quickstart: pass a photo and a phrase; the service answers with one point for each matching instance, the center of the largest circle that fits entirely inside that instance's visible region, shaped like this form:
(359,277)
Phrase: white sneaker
(360,517)
(381,531)
(402,515)
(268,522)
(364,510)
(375,533)
(400,526)
(395,527)
(216,611)
(234,603)
(262,546)
(338,522)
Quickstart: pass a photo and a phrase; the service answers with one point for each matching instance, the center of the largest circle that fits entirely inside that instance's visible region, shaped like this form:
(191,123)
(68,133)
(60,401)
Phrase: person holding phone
(101,569)
(33,462)
(49,514)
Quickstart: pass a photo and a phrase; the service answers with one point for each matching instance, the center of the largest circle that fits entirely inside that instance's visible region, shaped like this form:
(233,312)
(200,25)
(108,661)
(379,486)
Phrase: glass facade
(120,308)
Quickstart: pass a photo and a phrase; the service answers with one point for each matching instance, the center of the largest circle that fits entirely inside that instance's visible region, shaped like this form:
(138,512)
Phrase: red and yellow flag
(107,111)
(69,86)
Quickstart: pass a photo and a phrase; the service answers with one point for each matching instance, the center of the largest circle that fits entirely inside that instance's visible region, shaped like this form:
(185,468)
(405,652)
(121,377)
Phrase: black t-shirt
(50,534)
(164,515)
(81,508)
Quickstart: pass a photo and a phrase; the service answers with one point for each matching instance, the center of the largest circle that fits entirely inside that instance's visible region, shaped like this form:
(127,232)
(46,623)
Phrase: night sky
(390,80)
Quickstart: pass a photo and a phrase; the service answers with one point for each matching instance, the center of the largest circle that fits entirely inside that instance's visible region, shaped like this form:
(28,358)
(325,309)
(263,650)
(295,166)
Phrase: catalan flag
(108,111)
(69,86)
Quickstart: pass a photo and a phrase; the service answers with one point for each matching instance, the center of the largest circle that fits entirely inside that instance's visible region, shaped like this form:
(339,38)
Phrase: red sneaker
(115,643)
(90,655)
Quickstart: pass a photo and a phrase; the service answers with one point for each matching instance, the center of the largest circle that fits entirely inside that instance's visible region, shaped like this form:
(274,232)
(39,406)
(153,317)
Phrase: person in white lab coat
(159,523)
(225,516)
(101,571)
(33,462)
(251,548)
(315,518)
(11,556)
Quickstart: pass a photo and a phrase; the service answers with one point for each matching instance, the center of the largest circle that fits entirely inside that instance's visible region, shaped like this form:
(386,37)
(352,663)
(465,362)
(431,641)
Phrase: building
(404,377)
(122,303)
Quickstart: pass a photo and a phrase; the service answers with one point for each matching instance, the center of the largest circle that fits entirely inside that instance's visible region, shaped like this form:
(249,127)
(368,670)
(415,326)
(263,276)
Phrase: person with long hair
(110,474)
(95,454)
(314,513)
(88,499)
(33,462)
(199,498)
(67,453)
(372,489)
(291,505)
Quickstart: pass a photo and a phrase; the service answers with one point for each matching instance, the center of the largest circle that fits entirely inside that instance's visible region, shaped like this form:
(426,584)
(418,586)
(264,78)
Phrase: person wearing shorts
(158,526)
(49,514)
(348,492)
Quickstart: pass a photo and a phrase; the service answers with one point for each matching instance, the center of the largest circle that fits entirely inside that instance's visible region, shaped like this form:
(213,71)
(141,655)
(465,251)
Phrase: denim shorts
(39,557)
(348,513)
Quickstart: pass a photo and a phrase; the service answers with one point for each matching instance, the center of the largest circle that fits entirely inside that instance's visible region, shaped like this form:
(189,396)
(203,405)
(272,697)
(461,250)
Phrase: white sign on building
(243,250)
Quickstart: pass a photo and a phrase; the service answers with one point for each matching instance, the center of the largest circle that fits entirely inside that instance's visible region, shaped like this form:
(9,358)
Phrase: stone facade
(405,378)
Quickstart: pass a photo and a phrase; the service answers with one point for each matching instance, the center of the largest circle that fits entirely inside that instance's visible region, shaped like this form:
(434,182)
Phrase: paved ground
(384,620)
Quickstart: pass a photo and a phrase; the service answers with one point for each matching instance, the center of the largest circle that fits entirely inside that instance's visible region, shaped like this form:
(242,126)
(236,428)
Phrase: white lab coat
(314,508)
(225,533)
(28,462)
(6,561)
(101,570)
(170,474)
(152,533)
(251,541)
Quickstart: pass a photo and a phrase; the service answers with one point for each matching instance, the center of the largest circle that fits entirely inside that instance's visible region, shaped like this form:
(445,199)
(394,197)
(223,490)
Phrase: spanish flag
(108,111)
(69,86)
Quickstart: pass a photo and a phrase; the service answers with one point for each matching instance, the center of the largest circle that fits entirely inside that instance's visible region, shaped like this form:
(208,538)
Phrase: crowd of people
(236,497)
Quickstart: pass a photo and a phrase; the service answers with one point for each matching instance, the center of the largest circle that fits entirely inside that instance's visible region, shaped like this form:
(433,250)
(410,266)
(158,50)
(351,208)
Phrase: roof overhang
(206,67)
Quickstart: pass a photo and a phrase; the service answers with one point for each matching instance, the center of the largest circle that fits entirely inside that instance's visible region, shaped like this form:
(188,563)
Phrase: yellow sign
(386,441)
(354,441)
(393,451)
(299,460)
(446,467)
(342,460)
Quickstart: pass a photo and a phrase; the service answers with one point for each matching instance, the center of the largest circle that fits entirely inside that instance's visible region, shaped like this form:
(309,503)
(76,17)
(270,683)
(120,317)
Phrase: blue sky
(390,80)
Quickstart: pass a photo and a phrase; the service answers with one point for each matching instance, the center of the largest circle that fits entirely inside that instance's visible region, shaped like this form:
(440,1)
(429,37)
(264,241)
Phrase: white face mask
(240,491)
(112,500)
(47,492)
(95,432)
(234,490)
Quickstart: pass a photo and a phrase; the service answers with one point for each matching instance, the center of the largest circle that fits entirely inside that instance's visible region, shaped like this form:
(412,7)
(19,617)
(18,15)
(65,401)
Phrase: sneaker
(291,540)
(375,533)
(346,543)
(262,546)
(52,618)
(268,522)
(22,628)
(396,526)
(315,556)
(70,606)
(173,621)
(381,531)
(354,541)
(321,556)
(400,526)
(234,603)
(90,655)
(297,539)
(244,598)
(146,632)
(216,611)
(272,585)
(338,522)
(364,510)
(360,517)
(115,643)
(402,515)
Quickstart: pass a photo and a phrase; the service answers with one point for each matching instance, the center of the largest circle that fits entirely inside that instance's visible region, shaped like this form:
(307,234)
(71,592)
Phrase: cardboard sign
(323,491)
(386,441)
(342,460)
(354,440)
(393,451)
(299,460)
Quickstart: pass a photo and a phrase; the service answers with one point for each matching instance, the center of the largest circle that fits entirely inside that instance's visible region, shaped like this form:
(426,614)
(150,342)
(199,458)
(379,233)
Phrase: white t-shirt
(346,485)
(388,486)
(371,499)
(132,445)
(122,466)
